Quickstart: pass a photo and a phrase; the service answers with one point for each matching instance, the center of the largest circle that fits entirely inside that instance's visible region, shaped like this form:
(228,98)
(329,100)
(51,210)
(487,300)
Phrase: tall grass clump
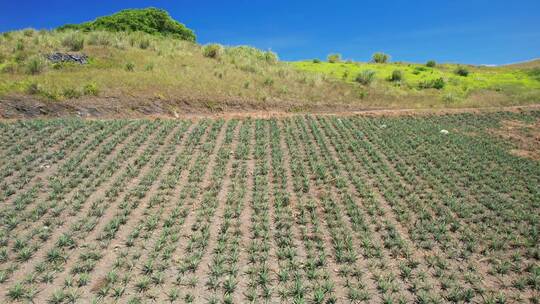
(29,32)
(271,57)
(437,83)
(74,42)
(380,57)
(35,65)
(91,89)
(99,38)
(213,50)
(144,43)
(19,46)
(334,58)
(365,77)
(130,67)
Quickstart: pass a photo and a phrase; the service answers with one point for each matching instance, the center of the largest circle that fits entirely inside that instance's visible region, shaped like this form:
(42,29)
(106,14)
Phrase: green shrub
(449,98)
(462,71)
(271,57)
(35,65)
(20,57)
(213,50)
(99,39)
(91,89)
(130,67)
(2,57)
(365,77)
(9,67)
(33,88)
(19,46)
(534,73)
(334,58)
(149,20)
(437,83)
(29,32)
(243,56)
(144,43)
(380,57)
(149,67)
(397,75)
(74,42)
(71,93)
(419,69)
(431,63)
(316,60)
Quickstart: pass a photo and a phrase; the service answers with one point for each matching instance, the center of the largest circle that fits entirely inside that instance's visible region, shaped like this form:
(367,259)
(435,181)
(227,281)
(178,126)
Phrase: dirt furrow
(245,218)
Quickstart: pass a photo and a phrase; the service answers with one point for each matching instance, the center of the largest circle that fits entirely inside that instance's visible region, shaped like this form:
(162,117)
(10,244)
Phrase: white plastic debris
(383,126)
(444,131)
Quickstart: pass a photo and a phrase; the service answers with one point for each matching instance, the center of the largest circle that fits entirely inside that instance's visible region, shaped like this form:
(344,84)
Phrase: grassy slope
(512,84)
(171,69)
(167,69)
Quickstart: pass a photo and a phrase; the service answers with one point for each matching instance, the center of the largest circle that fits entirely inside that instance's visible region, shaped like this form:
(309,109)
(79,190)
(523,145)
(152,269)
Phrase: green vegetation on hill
(453,82)
(148,20)
(137,54)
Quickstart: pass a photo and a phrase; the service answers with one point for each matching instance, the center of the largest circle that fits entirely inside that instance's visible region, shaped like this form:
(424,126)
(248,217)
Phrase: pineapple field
(427,208)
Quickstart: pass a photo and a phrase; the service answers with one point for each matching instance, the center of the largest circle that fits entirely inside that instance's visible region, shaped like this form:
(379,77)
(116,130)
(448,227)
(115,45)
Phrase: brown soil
(21,106)
(525,137)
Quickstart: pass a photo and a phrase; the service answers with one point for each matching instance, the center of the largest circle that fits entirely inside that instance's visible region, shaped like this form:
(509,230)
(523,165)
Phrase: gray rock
(67,57)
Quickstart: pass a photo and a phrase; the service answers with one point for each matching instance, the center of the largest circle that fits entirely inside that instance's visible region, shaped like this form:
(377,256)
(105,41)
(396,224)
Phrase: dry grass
(142,66)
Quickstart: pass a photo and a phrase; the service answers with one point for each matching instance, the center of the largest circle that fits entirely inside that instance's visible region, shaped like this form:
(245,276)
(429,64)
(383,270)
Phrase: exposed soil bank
(21,107)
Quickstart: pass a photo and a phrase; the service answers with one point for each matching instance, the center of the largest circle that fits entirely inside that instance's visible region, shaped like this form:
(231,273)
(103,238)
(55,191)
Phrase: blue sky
(473,31)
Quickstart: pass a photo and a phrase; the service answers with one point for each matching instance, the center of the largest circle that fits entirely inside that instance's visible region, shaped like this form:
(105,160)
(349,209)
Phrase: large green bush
(462,71)
(380,58)
(334,58)
(397,75)
(148,20)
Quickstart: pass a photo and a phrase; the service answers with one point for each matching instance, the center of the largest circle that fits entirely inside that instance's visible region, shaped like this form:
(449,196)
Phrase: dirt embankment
(23,107)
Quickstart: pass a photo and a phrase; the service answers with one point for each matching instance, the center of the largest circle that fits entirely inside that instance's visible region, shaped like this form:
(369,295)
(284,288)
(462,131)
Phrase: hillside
(151,69)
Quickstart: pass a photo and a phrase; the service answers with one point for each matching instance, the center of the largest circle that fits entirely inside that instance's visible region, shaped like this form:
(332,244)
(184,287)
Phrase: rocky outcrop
(66,57)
